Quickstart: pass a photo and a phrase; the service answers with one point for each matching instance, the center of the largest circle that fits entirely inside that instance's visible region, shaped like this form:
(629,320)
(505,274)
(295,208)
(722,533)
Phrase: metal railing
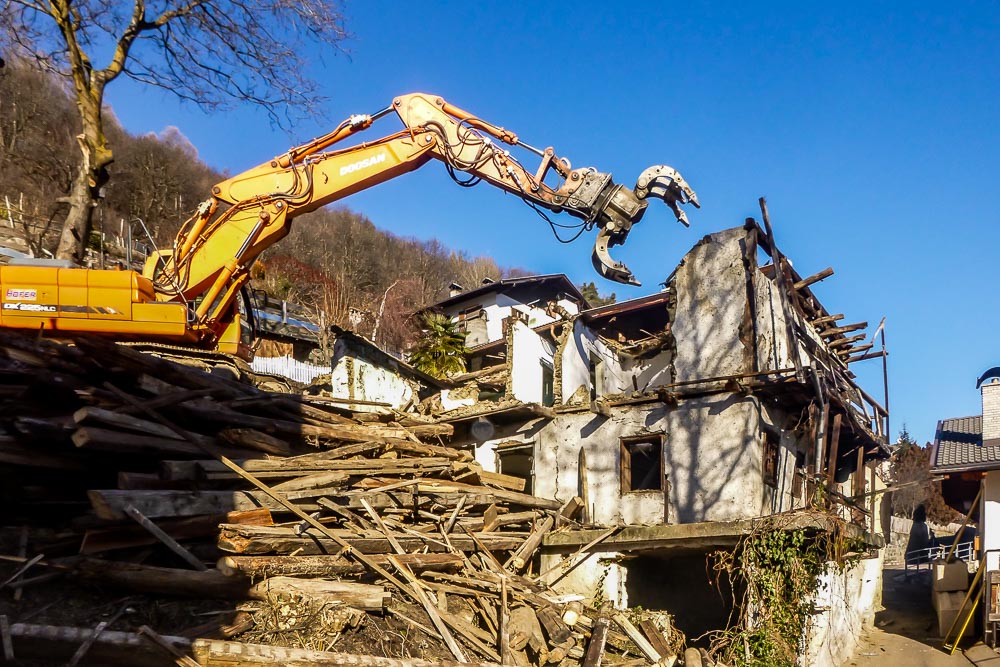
(289,368)
(964,551)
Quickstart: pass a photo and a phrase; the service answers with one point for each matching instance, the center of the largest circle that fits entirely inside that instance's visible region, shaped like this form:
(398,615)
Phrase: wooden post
(503,635)
(784,294)
(831,467)
(598,639)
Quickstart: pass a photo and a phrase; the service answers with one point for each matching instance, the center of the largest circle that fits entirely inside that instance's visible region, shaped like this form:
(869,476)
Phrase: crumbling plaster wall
(357,378)
(648,373)
(535,311)
(498,307)
(712,309)
(718,329)
(528,352)
(712,461)
(598,575)
(771,328)
(575,365)
(846,603)
(485,452)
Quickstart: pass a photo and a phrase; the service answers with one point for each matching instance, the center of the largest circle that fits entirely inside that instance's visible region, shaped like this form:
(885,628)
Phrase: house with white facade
(682,418)
(967,455)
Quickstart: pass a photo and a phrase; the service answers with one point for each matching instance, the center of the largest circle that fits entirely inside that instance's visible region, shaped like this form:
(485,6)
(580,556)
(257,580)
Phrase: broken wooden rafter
(826,319)
(870,355)
(842,342)
(814,278)
(855,350)
(163,537)
(836,331)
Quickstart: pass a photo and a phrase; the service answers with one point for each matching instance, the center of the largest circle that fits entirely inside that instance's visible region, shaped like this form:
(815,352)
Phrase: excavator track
(231,366)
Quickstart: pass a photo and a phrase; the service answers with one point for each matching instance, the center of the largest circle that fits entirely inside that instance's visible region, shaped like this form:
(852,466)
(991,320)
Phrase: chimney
(991,408)
(455,289)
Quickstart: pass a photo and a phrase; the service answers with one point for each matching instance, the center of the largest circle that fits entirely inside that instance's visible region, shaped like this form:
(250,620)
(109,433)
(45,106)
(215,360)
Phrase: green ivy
(779,572)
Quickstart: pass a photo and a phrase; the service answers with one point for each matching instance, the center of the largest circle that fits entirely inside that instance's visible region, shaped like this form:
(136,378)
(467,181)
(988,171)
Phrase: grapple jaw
(666,183)
(622,209)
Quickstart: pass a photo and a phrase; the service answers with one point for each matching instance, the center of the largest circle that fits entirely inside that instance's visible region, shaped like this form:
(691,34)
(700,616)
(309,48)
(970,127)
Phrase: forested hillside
(334,261)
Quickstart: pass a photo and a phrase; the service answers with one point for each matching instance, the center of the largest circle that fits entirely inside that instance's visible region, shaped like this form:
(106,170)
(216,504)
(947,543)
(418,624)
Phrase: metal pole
(885,385)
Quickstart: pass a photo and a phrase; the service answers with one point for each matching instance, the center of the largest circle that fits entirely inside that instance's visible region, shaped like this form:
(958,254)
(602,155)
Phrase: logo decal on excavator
(362,164)
(31,307)
(21,294)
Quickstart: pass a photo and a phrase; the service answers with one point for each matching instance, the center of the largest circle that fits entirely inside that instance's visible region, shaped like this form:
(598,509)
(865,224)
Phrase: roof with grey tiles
(958,445)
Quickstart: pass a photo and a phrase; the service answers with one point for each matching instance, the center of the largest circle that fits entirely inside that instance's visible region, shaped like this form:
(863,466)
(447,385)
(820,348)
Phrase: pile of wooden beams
(164,480)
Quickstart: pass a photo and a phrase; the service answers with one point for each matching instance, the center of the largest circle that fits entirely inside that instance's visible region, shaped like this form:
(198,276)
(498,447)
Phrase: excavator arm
(251,211)
(189,294)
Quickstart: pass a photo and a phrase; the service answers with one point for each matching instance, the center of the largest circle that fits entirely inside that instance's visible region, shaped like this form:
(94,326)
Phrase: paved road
(906,630)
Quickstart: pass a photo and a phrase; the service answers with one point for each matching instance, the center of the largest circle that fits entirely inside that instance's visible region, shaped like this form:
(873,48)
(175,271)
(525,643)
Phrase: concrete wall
(712,307)
(360,379)
(770,328)
(529,352)
(648,373)
(846,602)
(712,461)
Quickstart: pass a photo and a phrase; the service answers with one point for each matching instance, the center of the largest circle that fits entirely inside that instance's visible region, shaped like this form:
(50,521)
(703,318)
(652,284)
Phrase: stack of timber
(326,531)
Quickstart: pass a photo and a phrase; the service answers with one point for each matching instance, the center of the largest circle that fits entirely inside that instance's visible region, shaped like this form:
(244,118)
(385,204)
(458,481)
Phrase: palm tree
(441,348)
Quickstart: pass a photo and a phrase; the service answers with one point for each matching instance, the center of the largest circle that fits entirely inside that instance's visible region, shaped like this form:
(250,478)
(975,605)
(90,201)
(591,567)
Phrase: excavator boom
(190,293)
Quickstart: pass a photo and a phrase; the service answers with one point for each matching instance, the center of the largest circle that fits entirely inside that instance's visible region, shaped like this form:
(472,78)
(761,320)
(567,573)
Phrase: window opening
(518,462)
(548,385)
(642,463)
(770,463)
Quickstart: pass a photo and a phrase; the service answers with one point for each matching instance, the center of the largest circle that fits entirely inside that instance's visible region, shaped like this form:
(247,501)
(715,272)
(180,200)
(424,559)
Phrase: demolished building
(683,417)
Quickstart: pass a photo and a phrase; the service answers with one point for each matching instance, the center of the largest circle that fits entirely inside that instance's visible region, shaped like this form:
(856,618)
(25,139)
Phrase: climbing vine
(776,573)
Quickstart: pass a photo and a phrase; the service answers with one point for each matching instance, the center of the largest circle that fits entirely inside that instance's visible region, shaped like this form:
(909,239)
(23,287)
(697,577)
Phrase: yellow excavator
(190,295)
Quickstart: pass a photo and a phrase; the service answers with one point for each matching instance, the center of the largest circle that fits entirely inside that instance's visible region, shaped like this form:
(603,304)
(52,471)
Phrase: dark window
(548,385)
(770,466)
(518,462)
(800,475)
(596,376)
(642,463)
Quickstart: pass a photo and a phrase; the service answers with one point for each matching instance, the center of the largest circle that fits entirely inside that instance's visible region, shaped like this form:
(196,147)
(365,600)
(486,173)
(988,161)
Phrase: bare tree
(214,53)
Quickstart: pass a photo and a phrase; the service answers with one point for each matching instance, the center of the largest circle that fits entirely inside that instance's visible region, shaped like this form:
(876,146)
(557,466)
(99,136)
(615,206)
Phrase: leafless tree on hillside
(214,53)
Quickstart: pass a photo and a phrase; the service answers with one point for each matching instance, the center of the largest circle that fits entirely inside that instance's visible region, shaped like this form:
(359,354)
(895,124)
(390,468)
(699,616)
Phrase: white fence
(290,368)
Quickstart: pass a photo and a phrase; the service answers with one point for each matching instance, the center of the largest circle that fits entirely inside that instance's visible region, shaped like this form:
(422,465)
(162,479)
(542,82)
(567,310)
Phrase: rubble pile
(318,524)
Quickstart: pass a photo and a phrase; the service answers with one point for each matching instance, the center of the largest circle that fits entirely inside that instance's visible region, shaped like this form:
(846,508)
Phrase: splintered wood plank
(219,653)
(261,540)
(259,567)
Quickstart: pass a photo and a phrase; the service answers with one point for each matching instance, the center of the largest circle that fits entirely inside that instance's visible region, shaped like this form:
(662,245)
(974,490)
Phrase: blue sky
(869,127)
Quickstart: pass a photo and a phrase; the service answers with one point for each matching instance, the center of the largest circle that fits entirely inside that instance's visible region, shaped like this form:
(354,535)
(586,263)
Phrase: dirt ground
(906,632)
